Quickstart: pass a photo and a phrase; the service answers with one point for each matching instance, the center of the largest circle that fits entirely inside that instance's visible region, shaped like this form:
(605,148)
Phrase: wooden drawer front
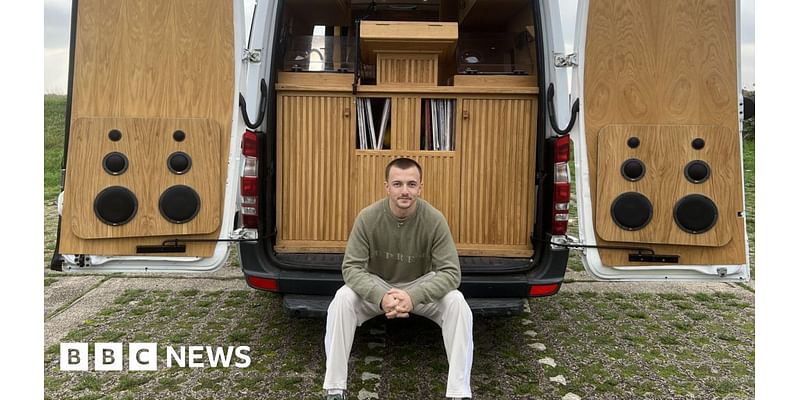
(407,69)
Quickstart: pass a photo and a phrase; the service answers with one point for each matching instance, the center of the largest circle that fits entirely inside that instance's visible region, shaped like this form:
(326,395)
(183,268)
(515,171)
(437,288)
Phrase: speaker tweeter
(115,163)
(179,163)
(697,171)
(632,169)
(631,211)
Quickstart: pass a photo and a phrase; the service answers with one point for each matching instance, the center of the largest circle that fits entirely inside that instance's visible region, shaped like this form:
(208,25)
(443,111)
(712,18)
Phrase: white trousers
(451,313)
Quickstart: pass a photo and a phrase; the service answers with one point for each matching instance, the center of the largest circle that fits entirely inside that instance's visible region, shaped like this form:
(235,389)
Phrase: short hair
(403,163)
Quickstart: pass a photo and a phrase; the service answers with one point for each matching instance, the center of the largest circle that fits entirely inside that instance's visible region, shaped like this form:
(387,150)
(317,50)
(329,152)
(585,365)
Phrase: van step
(309,306)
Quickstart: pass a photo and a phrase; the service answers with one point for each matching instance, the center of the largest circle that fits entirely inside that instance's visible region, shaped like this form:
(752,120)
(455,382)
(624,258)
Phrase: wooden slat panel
(314,141)
(407,69)
(652,62)
(152,59)
(440,177)
(665,151)
(497,146)
(405,123)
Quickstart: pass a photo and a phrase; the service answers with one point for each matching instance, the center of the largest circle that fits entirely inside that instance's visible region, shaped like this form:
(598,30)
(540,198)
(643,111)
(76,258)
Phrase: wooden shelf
(417,37)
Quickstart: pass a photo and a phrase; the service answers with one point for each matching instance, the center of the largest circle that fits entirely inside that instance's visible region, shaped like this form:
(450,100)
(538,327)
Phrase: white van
(187,134)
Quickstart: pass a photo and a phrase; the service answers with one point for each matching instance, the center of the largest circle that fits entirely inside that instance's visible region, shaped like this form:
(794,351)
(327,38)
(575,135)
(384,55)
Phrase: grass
(54,117)
(651,349)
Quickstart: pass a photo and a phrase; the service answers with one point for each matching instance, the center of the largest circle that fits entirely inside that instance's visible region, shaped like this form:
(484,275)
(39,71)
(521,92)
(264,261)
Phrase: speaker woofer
(695,213)
(115,205)
(179,204)
(697,171)
(115,163)
(633,169)
(631,211)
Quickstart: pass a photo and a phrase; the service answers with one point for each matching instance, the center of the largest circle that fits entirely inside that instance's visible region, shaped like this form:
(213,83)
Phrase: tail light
(544,290)
(270,285)
(561,186)
(249,193)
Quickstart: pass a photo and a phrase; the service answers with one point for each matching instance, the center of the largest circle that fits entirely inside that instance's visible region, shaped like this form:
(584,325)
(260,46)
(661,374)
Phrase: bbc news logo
(144,356)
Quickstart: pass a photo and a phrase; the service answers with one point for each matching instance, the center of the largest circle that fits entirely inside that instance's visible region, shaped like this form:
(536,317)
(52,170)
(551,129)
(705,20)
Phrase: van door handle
(262,107)
(552,113)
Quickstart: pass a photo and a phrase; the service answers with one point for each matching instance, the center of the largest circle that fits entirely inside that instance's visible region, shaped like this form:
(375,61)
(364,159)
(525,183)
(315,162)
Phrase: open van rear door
(658,144)
(154,131)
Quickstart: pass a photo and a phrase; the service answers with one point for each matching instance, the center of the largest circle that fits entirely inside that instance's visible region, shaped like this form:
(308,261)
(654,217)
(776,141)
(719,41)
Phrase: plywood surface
(652,62)
(665,150)
(147,143)
(154,60)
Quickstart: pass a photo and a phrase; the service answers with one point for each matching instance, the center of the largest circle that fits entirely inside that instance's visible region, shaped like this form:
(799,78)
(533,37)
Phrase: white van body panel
(95,263)
(590,256)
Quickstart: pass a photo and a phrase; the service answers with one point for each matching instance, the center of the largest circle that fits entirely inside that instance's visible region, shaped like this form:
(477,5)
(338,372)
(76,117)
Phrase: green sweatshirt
(400,251)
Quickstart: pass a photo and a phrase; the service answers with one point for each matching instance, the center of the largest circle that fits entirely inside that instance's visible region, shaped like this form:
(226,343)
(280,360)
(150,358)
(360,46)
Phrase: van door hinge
(253,56)
(566,60)
(244,234)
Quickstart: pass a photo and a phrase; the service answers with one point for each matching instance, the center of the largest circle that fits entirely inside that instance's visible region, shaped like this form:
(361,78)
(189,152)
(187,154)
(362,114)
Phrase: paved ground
(72,298)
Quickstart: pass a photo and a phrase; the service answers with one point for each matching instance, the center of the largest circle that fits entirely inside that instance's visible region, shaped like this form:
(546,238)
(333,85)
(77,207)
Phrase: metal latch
(565,61)
(722,271)
(253,56)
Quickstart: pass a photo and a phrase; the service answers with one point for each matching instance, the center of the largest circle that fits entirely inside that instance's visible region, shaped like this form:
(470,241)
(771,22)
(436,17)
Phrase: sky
(57,25)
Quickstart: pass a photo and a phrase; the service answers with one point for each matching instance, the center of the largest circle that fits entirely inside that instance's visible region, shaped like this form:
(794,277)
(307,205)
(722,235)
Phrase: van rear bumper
(308,291)
(309,306)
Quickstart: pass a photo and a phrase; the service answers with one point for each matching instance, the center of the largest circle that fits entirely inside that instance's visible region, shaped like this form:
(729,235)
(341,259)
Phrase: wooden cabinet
(484,186)
(498,142)
(313,189)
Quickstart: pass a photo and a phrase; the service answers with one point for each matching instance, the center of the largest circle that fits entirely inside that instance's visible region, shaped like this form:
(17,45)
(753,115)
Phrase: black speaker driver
(179,204)
(115,163)
(115,205)
(179,163)
(631,211)
(695,213)
(632,169)
(697,171)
